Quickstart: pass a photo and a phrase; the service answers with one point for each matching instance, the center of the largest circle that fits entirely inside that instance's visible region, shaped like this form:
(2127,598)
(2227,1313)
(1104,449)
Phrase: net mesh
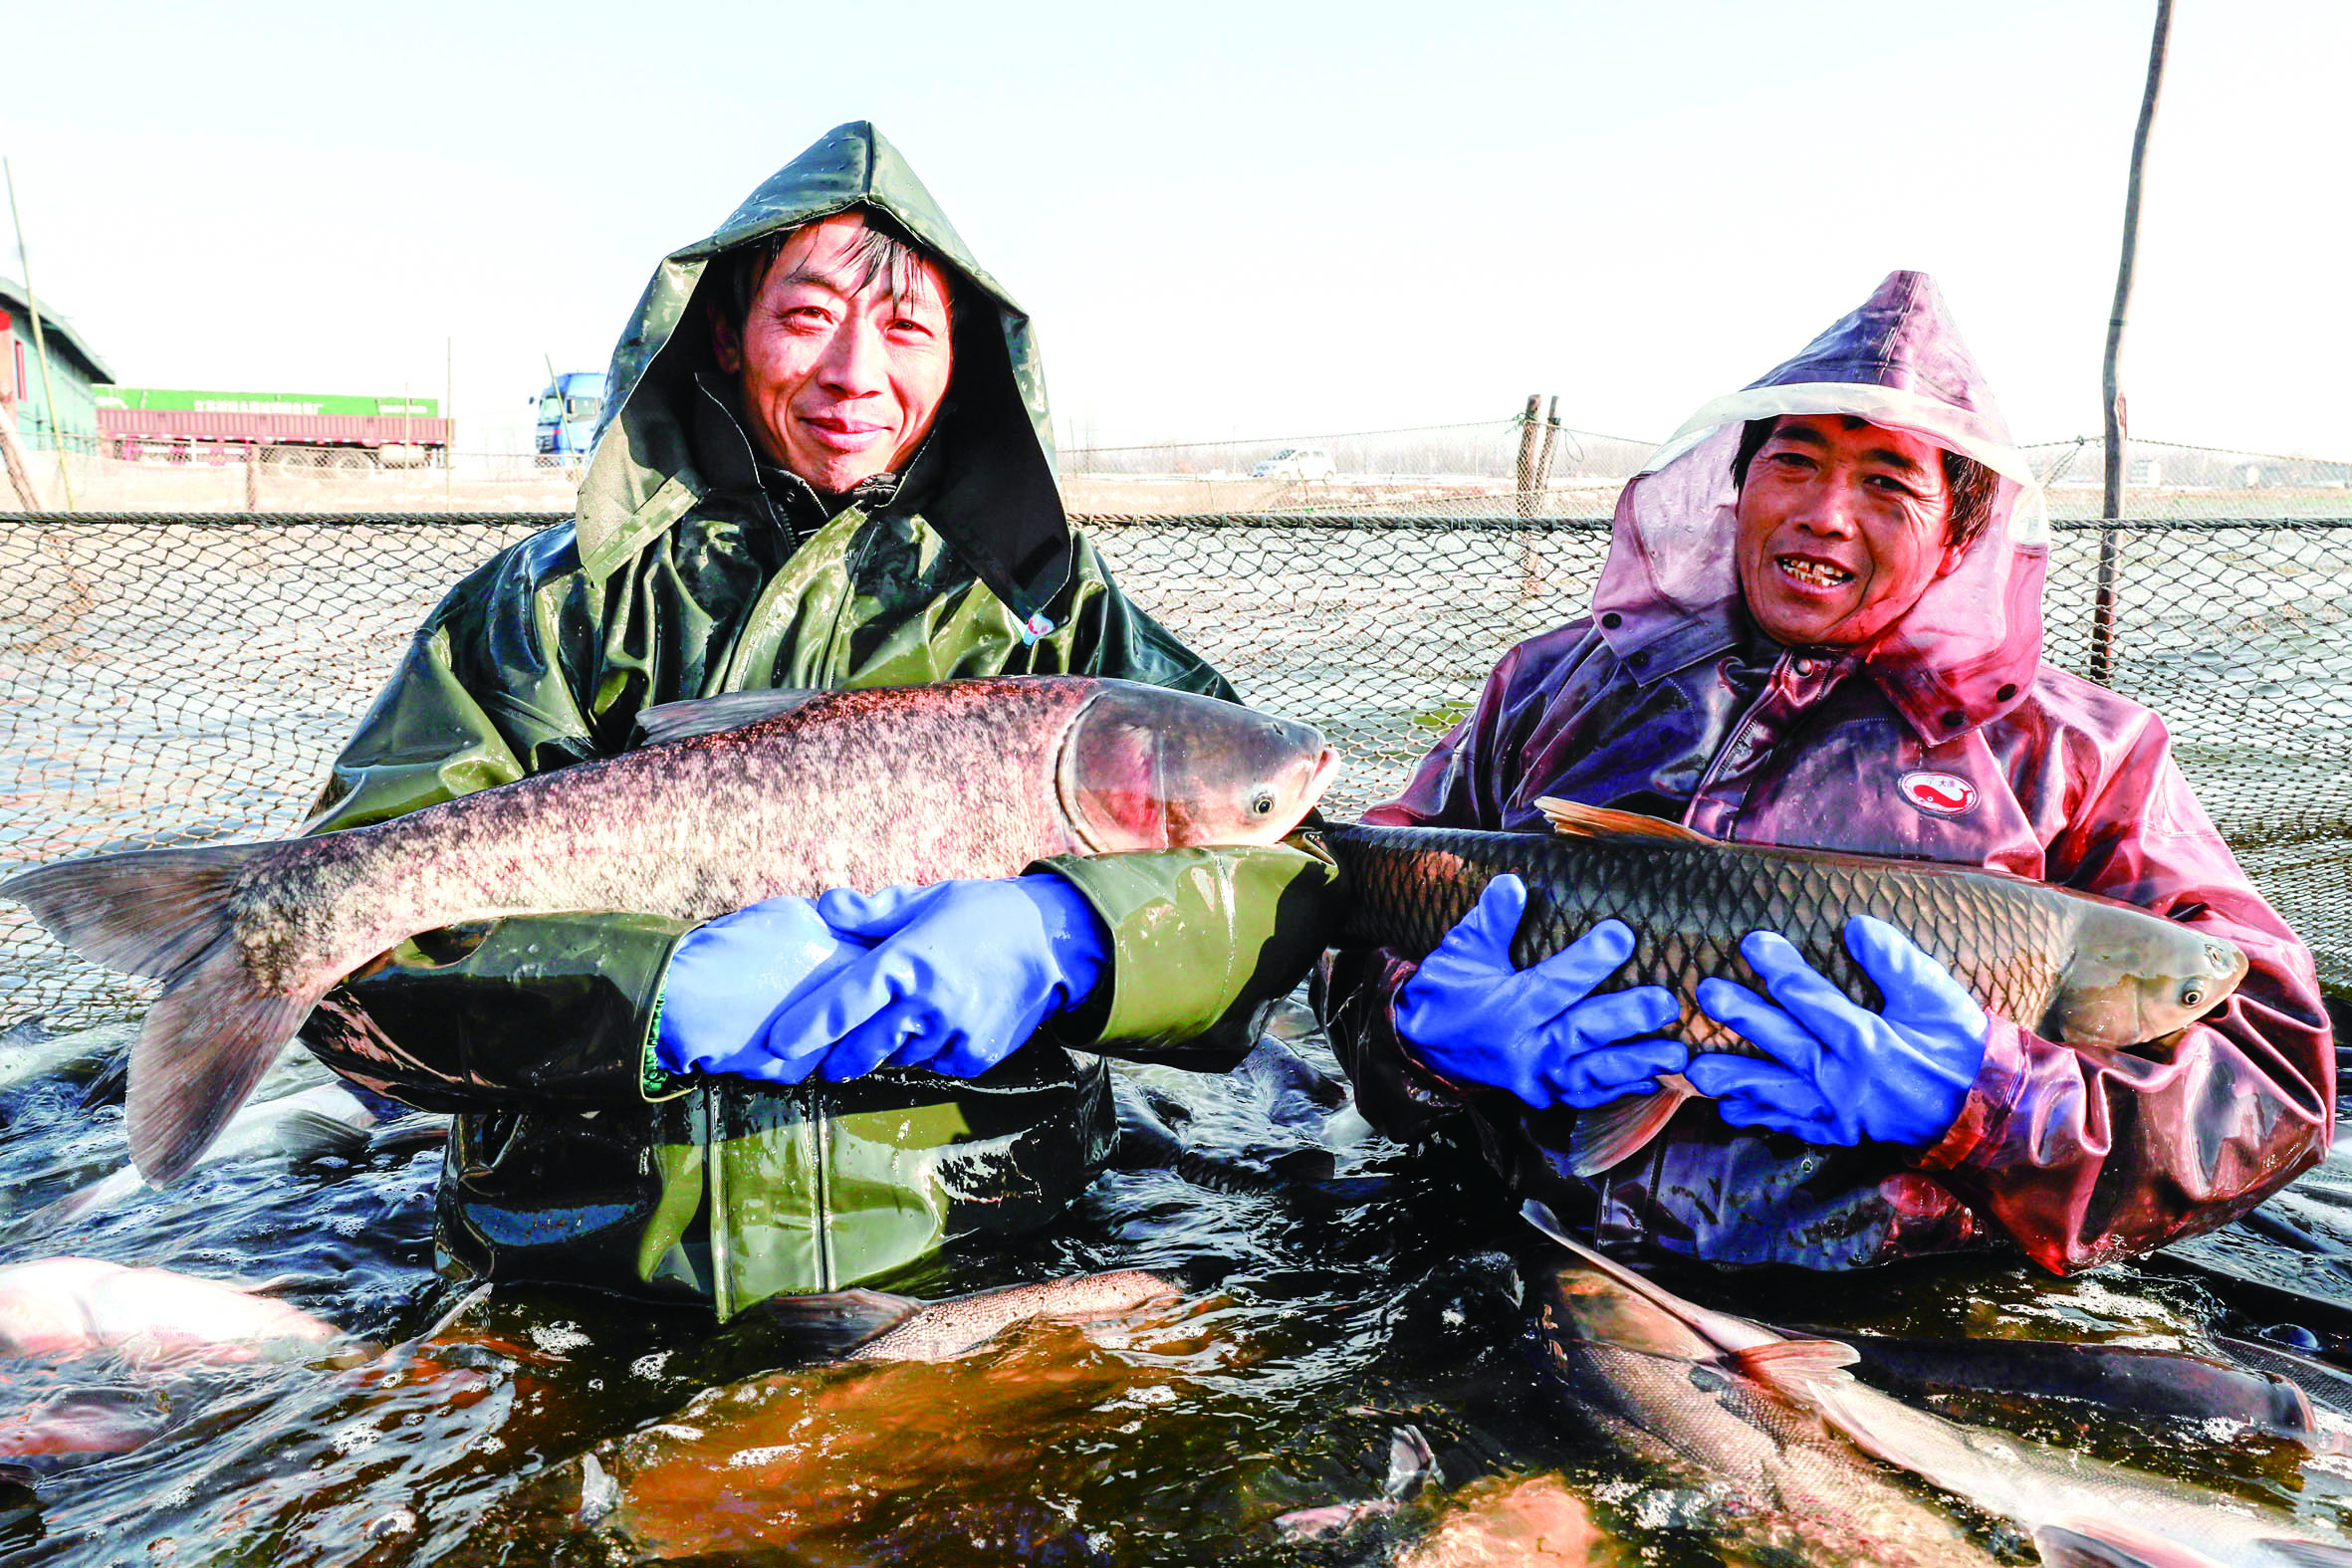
(181,679)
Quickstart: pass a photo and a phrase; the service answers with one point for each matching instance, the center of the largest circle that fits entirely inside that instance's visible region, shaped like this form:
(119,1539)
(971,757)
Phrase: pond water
(1321,1330)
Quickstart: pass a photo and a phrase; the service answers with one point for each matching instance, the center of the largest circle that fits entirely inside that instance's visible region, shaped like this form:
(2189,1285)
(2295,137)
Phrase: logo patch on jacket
(1938,794)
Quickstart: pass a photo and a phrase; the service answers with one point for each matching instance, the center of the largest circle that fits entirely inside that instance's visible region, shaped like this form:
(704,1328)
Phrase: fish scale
(1689,904)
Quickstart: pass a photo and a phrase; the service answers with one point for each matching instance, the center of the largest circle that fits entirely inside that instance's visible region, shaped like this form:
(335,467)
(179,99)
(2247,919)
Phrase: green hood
(990,488)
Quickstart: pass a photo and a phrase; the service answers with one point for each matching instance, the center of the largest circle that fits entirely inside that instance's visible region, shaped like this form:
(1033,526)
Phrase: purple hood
(1966,651)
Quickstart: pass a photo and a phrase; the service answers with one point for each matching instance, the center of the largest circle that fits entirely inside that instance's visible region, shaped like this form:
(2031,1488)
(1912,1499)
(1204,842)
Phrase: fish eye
(2192,996)
(1261,802)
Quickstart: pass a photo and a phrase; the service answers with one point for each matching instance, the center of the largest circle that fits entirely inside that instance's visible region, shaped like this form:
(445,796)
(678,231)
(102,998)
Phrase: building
(74,370)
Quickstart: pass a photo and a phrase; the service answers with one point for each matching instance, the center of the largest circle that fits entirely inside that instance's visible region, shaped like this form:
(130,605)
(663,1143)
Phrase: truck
(308,429)
(569,407)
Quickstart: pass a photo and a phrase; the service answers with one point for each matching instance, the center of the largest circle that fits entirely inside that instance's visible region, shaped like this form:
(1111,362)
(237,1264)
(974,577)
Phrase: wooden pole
(57,434)
(2102,661)
(1529,426)
(19,478)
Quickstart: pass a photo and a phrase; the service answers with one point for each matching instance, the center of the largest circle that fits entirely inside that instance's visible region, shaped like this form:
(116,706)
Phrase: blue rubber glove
(727,978)
(1539,1033)
(1841,1074)
(956,975)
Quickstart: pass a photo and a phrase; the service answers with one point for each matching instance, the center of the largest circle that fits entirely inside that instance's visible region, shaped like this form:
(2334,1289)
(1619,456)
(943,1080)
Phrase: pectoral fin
(1605,1137)
(1571,819)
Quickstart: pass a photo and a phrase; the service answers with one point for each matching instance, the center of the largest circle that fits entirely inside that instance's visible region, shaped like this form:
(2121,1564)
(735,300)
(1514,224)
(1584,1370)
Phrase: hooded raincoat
(694,568)
(1947,740)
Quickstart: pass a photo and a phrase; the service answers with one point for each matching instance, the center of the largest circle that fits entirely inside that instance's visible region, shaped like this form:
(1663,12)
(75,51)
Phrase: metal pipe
(2102,650)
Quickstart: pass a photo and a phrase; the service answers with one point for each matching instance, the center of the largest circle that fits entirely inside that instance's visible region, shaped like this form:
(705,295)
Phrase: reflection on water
(1320,1324)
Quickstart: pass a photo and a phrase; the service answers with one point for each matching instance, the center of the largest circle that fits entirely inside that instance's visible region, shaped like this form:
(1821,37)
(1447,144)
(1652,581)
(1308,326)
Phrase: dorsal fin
(1792,1363)
(1591,821)
(675,721)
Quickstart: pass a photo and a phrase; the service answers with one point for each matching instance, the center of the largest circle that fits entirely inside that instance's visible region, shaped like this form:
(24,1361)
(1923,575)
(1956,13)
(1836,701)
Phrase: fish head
(1145,768)
(2138,977)
(1577,1304)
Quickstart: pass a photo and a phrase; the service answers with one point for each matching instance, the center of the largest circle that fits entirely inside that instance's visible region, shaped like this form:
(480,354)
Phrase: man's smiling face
(843,356)
(1841,527)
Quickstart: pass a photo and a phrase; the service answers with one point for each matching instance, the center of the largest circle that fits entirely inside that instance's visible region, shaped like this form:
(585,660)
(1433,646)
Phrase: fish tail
(205,1044)
(1605,1137)
(150,911)
(168,914)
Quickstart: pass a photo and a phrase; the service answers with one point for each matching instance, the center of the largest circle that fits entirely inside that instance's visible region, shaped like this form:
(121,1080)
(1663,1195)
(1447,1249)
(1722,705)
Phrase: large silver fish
(59,1308)
(2072,966)
(1781,1419)
(734,800)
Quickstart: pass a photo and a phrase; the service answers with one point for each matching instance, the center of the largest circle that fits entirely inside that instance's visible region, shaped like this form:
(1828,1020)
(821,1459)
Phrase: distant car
(1296,462)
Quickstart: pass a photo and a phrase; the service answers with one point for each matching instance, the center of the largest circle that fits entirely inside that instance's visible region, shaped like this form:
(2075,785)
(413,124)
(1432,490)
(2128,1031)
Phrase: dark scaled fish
(2069,966)
(734,800)
(2135,1383)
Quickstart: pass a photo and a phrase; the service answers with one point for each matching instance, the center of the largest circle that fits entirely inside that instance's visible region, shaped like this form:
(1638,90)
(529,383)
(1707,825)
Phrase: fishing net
(173,679)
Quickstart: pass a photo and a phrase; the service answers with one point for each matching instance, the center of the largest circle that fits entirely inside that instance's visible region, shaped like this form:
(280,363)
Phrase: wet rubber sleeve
(553,1008)
(2084,1154)
(1200,940)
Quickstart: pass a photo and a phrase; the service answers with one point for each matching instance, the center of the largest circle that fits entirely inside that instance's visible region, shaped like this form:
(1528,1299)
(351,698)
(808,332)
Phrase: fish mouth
(1326,766)
(1812,572)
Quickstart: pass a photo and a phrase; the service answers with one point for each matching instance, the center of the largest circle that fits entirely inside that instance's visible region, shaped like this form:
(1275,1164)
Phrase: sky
(1226,220)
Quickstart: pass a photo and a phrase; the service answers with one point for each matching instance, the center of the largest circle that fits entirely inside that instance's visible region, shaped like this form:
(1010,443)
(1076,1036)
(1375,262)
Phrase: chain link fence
(177,679)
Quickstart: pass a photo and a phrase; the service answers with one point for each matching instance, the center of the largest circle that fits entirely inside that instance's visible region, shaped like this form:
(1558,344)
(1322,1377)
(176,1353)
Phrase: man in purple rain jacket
(1820,625)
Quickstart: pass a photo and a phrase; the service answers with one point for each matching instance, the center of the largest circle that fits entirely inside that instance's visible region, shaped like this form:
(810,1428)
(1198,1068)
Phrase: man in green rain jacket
(717,549)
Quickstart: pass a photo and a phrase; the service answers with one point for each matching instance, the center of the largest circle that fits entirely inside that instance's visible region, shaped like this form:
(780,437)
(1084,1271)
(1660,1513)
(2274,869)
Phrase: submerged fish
(2135,1383)
(30,1053)
(1512,1521)
(1410,1467)
(1767,1414)
(60,1308)
(733,800)
(328,1119)
(890,1459)
(82,1421)
(874,1325)
(2070,966)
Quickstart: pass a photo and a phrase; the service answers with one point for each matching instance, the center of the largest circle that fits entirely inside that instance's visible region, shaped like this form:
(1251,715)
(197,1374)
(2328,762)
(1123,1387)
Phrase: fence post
(1523,498)
(1550,440)
(2102,660)
(253,475)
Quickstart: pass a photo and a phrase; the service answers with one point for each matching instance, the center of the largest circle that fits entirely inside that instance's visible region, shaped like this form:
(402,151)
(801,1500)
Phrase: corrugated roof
(53,326)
